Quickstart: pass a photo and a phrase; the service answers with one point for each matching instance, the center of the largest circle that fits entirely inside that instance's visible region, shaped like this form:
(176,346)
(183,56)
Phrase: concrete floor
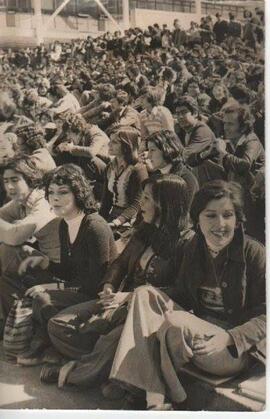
(20,388)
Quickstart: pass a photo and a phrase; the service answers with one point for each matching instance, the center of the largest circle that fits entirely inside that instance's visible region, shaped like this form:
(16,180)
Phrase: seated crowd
(132,207)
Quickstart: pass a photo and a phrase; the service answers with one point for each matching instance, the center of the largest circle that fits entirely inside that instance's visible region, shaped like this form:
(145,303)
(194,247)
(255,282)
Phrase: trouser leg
(95,368)
(176,337)
(65,335)
(137,360)
(48,304)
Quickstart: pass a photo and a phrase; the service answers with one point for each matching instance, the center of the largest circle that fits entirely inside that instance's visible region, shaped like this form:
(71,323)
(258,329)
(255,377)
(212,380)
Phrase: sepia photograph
(132,206)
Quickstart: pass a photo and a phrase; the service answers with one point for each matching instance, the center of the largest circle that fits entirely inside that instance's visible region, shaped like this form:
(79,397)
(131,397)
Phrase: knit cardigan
(131,193)
(84,262)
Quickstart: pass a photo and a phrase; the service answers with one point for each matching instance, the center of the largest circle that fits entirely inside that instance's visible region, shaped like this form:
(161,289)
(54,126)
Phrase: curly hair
(27,168)
(167,142)
(73,176)
(218,189)
(245,118)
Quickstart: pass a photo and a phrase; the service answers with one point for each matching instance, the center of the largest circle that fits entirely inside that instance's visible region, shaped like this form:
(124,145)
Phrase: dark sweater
(84,262)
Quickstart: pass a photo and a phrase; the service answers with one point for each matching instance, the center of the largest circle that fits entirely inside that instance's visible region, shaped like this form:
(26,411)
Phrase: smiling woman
(216,314)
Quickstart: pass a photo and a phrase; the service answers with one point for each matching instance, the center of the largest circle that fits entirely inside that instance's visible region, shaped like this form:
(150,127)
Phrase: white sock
(154,399)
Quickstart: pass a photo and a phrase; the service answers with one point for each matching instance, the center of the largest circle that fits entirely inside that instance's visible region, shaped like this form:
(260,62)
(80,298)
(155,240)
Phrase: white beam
(125,7)
(198,5)
(56,12)
(36,4)
(105,11)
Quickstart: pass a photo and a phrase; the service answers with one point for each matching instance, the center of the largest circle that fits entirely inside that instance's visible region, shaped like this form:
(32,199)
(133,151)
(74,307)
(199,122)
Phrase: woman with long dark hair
(146,259)
(216,315)
(164,154)
(123,179)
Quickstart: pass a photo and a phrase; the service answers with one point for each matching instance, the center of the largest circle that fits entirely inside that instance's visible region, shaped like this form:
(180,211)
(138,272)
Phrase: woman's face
(218,222)
(155,155)
(15,185)
(193,90)
(218,92)
(115,148)
(148,206)
(62,201)
(42,90)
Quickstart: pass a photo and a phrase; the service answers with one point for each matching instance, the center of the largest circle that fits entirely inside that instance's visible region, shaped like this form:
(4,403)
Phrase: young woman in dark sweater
(87,248)
(124,177)
(147,258)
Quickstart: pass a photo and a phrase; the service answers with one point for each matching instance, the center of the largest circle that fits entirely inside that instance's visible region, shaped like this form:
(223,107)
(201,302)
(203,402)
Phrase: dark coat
(123,268)
(243,162)
(243,287)
(197,140)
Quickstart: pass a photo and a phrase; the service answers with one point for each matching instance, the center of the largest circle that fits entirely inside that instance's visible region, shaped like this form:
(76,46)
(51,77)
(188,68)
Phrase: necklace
(214,253)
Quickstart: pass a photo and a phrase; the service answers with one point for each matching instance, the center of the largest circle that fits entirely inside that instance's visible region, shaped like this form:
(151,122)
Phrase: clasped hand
(212,344)
(109,299)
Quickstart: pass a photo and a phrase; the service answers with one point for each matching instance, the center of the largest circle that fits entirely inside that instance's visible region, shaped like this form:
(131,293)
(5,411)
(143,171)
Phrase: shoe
(31,360)
(49,374)
(34,355)
(112,391)
(131,402)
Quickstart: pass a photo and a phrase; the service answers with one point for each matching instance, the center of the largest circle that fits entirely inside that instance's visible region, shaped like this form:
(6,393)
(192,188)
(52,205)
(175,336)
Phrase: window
(11,19)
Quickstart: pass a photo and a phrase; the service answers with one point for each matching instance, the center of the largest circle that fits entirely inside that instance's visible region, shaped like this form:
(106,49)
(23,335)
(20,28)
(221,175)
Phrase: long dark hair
(73,176)
(170,194)
(167,142)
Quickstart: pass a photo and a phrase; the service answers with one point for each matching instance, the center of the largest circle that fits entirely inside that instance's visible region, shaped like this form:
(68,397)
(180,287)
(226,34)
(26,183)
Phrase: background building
(30,22)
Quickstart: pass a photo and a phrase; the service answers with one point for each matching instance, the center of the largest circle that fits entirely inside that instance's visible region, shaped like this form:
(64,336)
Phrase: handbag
(18,330)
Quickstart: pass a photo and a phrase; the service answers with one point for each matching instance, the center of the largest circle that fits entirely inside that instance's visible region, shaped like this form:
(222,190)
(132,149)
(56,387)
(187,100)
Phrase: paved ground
(20,388)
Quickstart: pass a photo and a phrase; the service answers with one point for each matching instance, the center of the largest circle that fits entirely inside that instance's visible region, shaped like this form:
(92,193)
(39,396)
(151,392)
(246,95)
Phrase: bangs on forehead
(60,180)
(15,174)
